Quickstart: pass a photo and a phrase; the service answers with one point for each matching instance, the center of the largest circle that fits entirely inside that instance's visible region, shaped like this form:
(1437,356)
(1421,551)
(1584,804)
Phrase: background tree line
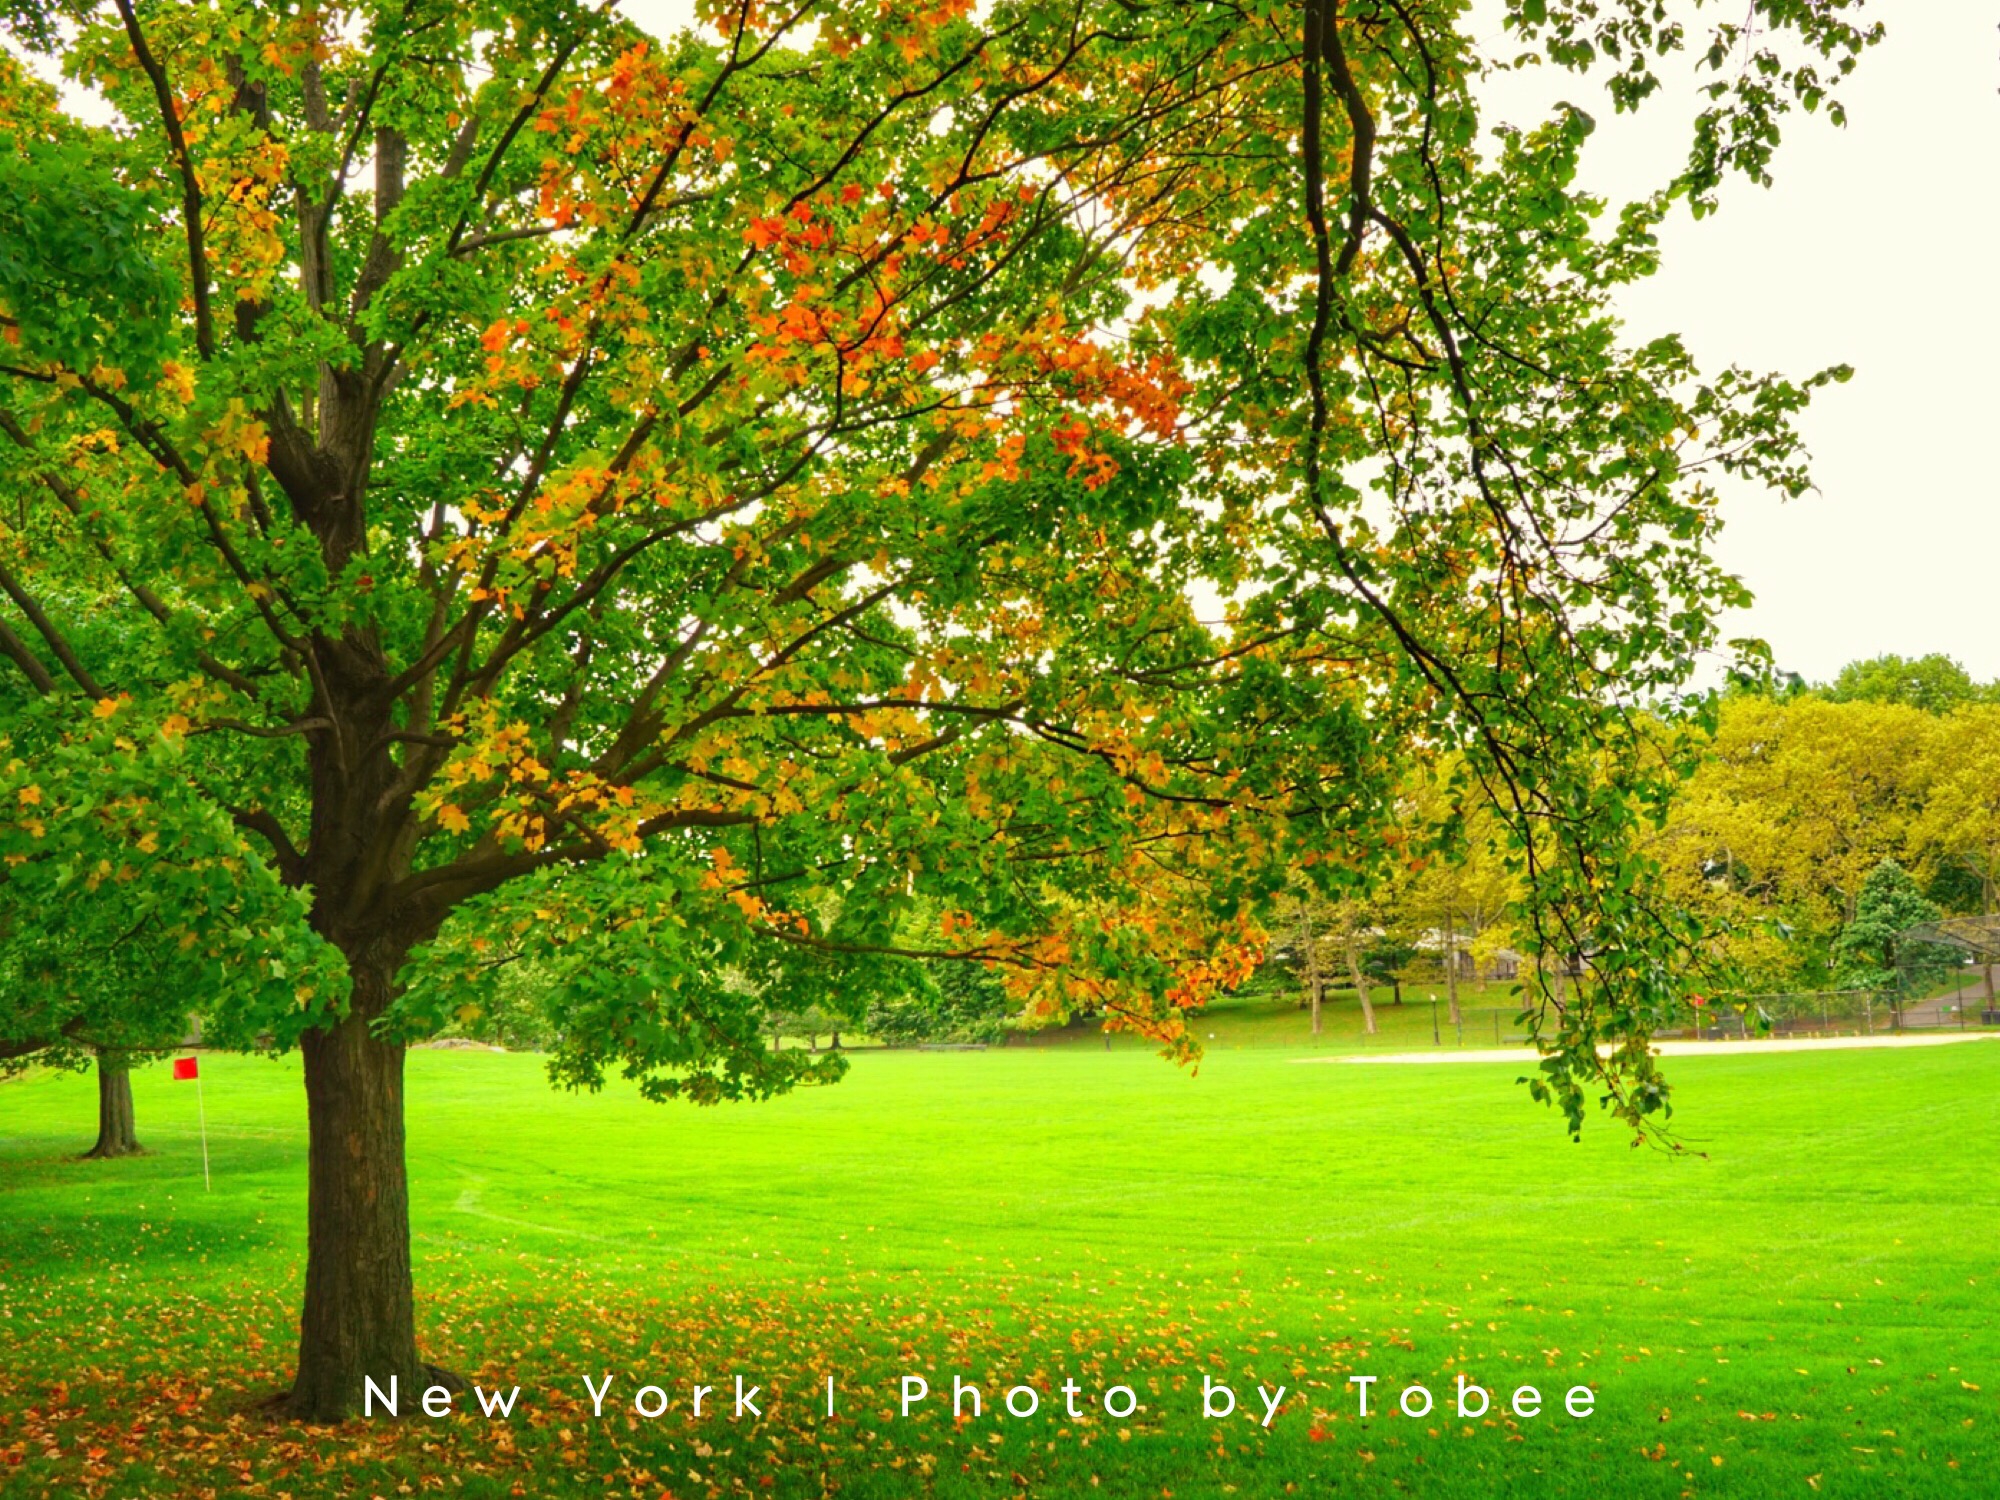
(1819,821)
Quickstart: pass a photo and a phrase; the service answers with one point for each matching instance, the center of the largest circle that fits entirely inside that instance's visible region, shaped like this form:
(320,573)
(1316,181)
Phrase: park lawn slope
(1804,1310)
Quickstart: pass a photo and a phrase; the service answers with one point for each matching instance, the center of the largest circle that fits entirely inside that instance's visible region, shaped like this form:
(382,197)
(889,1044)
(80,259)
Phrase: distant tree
(1303,921)
(1934,683)
(1385,954)
(111,936)
(1454,885)
(512,1011)
(1960,821)
(107,1008)
(1312,965)
(1350,926)
(1959,828)
(1765,679)
(1793,804)
(957,1003)
(1873,951)
(1955,889)
(809,1021)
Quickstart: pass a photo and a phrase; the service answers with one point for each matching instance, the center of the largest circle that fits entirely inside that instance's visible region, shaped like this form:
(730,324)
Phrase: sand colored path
(1668,1049)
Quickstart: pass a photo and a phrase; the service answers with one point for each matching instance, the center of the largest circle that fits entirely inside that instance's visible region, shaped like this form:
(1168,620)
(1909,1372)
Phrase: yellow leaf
(452,819)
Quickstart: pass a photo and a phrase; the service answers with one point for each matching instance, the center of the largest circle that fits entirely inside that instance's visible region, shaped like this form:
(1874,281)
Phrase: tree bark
(1354,972)
(1315,983)
(1451,965)
(359,1319)
(117,1135)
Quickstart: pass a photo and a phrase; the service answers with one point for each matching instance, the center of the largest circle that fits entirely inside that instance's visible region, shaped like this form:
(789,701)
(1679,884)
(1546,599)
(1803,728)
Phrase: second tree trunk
(359,1320)
(116,1133)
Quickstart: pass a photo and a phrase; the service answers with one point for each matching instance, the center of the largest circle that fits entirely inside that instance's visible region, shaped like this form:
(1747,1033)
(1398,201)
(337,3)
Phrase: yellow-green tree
(1794,802)
(1960,820)
(1451,890)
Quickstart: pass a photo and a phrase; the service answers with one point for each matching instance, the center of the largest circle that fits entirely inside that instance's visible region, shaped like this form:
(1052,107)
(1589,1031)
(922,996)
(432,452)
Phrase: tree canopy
(1934,683)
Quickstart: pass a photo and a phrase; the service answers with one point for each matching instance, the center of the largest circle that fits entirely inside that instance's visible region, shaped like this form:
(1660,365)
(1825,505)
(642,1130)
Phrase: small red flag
(184,1069)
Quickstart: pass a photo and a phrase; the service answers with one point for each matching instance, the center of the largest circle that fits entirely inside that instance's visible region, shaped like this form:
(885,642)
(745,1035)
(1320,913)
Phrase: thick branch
(204,321)
(12,646)
(263,823)
(45,627)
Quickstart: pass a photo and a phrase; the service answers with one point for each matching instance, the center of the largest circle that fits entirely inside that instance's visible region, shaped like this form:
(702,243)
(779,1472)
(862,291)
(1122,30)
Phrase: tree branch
(48,632)
(265,824)
(12,646)
(163,93)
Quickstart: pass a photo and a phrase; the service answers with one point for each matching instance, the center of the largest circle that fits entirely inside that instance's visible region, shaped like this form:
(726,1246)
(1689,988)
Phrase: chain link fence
(1849,1013)
(1745,1017)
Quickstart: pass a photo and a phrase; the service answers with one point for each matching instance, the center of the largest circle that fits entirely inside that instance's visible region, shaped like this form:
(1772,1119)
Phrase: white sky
(1874,247)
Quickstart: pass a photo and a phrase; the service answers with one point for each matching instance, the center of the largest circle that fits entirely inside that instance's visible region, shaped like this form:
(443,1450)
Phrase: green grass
(1812,1304)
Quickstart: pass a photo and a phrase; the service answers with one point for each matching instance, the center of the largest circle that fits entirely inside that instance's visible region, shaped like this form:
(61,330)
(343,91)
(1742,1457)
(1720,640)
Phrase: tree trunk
(1315,984)
(1305,957)
(1360,982)
(116,1133)
(1451,965)
(359,1319)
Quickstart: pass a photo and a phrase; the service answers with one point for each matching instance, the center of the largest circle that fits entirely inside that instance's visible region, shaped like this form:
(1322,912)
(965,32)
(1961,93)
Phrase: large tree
(678,502)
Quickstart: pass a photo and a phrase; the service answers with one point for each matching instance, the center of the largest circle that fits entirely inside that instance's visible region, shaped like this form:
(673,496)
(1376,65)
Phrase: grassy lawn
(1807,1310)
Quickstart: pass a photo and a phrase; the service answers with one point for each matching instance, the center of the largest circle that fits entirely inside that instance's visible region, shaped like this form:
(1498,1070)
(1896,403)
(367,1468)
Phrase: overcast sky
(1876,246)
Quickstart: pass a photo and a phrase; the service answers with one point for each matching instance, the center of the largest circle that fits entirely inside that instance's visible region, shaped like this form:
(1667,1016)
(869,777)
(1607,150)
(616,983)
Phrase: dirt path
(1669,1049)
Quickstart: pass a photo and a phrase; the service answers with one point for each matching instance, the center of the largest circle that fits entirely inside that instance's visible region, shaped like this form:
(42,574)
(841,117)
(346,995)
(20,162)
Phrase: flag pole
(202,1109)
